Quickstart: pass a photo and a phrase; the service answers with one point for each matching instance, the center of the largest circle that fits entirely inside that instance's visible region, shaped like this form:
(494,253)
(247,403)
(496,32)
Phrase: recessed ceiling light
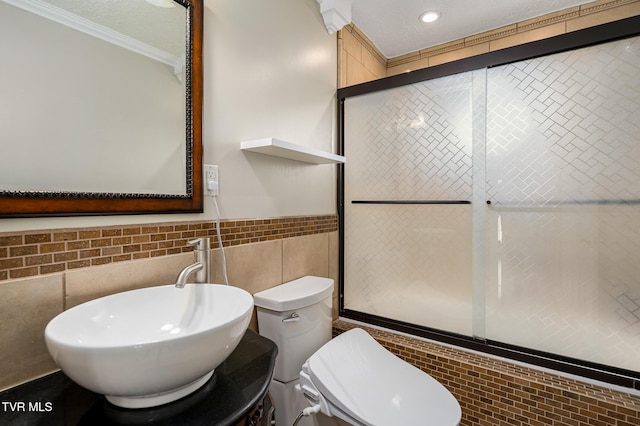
(430,16)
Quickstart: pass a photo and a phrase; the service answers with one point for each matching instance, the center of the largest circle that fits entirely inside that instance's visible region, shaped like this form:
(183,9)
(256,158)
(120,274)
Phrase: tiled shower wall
(494,392)
(43,273)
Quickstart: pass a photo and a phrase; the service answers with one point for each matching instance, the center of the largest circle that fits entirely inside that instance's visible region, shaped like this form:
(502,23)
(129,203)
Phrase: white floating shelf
(278,148)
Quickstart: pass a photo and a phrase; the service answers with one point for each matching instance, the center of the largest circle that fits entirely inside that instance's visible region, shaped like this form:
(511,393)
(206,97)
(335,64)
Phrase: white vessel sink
(151,346)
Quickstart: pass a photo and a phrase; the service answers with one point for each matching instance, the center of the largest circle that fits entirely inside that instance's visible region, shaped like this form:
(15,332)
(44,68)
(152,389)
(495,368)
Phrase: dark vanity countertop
(236,387)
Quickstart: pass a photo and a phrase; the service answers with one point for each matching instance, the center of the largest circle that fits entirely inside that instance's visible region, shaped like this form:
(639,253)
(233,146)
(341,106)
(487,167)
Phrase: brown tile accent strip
(26,254)
(494,392)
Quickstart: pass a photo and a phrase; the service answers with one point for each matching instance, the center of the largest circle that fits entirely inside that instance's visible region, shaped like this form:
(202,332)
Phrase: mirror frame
(53,203)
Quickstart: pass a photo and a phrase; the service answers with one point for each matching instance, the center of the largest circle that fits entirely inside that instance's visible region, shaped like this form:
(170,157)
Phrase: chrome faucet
(202,265)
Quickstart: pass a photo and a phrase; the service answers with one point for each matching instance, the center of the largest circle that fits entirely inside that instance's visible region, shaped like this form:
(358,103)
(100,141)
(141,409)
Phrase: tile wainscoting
(25,254)
(260,253)
(495,392)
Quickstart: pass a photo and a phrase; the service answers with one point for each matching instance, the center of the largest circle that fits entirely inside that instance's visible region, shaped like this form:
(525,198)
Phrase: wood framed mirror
(104,125)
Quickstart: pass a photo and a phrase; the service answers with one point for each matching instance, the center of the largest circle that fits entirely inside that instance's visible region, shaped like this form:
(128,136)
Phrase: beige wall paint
(270,72)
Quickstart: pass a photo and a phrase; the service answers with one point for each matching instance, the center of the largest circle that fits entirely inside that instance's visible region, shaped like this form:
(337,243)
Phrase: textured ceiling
(393,25)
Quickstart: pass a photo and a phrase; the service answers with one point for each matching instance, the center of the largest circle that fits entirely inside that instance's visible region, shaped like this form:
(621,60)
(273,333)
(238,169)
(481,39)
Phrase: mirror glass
(96,99)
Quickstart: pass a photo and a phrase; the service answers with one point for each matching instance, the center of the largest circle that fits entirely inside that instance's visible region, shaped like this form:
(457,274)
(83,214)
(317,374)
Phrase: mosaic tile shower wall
(553,144)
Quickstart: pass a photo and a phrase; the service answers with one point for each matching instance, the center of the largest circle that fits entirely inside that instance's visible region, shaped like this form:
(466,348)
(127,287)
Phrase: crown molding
(91,28)
(336,14)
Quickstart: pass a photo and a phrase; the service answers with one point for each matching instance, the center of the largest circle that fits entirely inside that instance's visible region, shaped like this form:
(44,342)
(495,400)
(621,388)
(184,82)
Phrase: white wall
(269,71)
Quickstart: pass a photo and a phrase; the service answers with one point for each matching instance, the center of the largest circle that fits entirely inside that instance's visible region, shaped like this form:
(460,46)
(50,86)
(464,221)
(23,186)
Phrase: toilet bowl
(351,377)
(354,378)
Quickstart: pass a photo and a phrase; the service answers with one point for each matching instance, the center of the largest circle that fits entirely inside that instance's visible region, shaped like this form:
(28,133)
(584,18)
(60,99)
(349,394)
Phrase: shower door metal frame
(625,28)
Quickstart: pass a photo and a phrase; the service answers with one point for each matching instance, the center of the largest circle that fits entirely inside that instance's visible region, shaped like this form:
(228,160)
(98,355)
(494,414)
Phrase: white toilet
(351,377)
(297,317)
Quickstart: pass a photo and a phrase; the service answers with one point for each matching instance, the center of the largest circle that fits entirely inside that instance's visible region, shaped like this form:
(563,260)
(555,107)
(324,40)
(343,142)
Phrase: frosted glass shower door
(408,217)
(563,178)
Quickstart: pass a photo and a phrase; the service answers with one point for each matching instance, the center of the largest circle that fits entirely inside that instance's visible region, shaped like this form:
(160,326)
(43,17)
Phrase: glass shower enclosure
(502,204)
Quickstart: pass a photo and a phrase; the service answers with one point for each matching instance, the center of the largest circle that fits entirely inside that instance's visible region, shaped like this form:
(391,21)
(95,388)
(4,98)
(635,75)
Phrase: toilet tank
(297,317)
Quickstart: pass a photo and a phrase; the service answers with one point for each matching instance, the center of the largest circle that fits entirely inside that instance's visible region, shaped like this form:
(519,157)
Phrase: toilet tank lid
(295,294)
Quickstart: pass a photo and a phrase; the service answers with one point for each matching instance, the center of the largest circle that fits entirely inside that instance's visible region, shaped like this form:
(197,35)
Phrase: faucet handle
(200,244)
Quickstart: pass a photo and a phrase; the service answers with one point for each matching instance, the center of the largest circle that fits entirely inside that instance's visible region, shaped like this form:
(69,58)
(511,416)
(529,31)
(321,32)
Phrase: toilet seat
(353,377)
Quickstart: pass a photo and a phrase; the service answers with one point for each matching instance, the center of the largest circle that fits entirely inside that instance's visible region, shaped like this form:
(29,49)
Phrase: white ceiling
(394,28)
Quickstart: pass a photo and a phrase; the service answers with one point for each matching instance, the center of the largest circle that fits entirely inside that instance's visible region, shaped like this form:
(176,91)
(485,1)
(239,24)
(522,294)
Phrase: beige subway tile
(372,63)
(91,283)
(467,52)
(357,73)
(608,15)
(341,63)
(351,45)
(26,306)
(528,36)
(334,257)
(306,255)
(334,267)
